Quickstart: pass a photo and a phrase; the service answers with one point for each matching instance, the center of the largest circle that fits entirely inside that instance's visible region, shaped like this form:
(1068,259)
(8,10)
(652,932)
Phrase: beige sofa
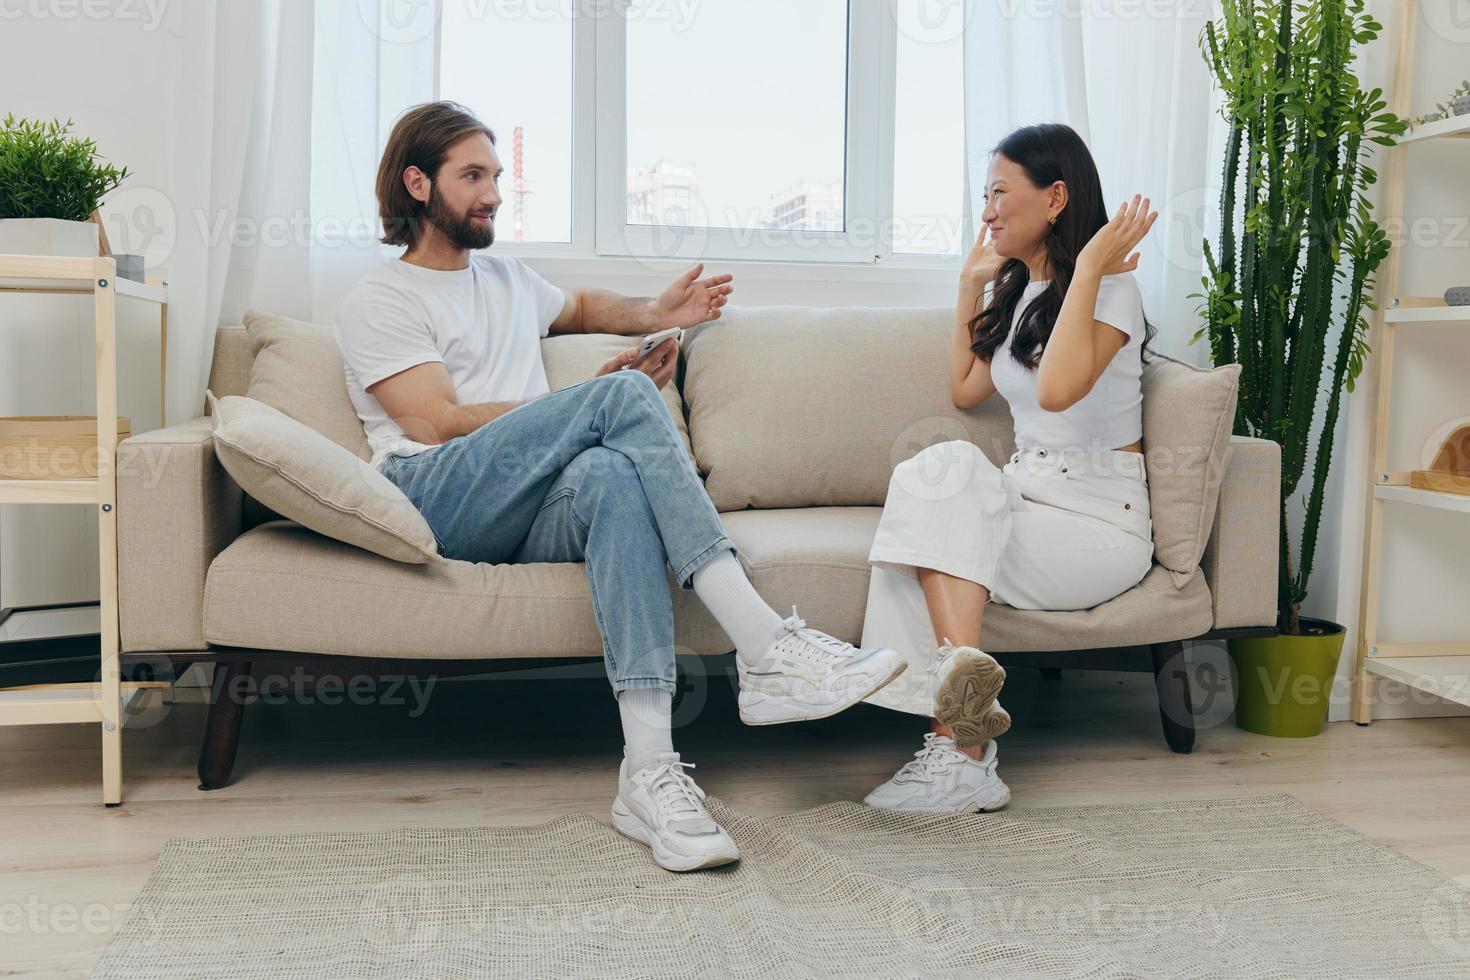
(795,418)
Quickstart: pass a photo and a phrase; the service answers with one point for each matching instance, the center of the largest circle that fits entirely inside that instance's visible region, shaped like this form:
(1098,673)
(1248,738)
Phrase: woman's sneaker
(969,681)
(942,778)
(806,674)
(661,806)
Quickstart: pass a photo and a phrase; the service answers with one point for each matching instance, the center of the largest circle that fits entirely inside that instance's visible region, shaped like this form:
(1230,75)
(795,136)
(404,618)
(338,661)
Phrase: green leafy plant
(47,173)
(1292,273)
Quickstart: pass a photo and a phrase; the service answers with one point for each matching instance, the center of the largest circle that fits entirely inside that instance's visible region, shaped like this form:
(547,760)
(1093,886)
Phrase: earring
(1052,220)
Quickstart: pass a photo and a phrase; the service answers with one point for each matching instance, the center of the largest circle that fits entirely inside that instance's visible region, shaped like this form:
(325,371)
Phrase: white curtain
(264,209)
(373,59)
(224,229)
(1131,80)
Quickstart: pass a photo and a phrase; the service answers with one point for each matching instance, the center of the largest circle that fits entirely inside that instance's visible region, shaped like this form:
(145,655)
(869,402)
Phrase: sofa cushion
(813,558)
(229,371)
(1188,415)
(298,369)
(281,586)
(573,358)
(301,474)
(797,407)
(817,558)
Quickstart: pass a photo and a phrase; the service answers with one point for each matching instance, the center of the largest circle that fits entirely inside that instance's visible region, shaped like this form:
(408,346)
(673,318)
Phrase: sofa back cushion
(229,372)
(297,369)
(299,473)
(1188,415)
(569,359)
(573,358)
(799,407)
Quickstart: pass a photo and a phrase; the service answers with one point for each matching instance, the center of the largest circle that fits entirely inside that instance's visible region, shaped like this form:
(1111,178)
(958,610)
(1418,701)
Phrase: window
(827,130)
(757,119)
(513,65)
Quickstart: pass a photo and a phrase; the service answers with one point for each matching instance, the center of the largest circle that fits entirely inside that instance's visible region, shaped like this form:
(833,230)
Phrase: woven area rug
(1262,887)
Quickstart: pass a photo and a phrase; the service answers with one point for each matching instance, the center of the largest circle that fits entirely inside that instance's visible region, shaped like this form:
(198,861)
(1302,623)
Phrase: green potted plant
(51,183)
(1286,291)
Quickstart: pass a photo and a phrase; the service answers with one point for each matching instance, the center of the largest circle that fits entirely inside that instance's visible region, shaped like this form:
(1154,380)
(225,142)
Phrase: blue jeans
(598,473)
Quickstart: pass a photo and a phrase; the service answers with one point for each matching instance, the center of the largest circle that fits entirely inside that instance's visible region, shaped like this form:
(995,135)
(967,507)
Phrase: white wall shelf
(1444,677)
(1428,314)
(1455,127)
(1424,498)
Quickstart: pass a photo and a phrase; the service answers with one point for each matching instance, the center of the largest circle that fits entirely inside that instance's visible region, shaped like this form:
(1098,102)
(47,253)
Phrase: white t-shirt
(484,322)
(1108,416)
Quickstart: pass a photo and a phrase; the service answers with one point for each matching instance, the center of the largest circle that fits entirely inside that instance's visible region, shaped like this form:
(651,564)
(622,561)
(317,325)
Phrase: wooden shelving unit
(106,701)
(1442,669)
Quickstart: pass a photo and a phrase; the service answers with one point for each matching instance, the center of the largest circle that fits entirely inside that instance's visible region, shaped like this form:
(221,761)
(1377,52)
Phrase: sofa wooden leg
(222,729)
(1171,680)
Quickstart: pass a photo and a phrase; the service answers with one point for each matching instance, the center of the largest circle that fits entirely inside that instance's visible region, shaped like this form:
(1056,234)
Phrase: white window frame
(599,228)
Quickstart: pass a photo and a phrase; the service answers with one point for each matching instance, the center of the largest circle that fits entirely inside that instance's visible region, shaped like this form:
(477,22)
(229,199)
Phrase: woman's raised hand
(983,263)
(1107,253)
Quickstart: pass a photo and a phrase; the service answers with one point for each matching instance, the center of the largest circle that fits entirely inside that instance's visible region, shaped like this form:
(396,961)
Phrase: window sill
(557,261)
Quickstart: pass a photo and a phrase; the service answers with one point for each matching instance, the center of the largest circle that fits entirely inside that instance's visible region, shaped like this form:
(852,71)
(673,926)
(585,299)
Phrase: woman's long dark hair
(1048,153)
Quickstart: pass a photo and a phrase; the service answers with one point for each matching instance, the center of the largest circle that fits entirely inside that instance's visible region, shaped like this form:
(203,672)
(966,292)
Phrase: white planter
(47,236)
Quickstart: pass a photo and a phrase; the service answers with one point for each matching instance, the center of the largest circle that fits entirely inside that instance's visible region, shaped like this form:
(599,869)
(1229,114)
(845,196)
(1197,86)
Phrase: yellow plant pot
(1283,684)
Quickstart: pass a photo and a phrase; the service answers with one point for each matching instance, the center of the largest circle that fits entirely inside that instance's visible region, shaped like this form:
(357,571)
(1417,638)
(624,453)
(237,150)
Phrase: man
(443,359)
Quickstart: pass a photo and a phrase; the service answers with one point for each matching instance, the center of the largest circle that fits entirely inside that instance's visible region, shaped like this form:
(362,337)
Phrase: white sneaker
(942,778)
(965,696)
(661,806)
(806,674)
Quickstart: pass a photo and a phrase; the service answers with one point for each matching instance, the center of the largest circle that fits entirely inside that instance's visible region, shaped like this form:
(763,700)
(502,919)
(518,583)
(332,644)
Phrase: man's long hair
(421,138)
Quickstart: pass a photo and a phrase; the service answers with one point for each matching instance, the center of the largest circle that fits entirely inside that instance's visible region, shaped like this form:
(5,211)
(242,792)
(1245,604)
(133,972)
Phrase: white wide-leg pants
(1052,529)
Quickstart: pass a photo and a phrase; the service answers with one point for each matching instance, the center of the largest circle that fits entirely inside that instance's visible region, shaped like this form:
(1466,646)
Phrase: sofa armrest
(1241,558)
(176,509)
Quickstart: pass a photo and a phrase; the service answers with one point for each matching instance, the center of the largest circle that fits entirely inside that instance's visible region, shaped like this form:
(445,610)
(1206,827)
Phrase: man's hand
(688,303)
(658,365)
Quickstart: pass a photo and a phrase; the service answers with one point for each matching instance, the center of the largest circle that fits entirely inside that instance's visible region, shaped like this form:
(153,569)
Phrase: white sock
(745,617)
(647,713)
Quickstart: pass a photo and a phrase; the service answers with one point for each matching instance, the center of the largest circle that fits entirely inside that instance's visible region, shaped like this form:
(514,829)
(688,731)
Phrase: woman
(1060,334)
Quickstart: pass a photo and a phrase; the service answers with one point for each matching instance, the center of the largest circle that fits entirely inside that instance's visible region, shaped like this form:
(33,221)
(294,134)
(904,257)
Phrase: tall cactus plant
(1292,275)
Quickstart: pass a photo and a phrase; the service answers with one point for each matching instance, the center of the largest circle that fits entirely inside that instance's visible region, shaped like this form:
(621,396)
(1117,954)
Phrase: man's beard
(461,229)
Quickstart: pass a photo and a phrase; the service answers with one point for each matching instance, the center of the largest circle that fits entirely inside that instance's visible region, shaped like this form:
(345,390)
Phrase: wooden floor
(517,750)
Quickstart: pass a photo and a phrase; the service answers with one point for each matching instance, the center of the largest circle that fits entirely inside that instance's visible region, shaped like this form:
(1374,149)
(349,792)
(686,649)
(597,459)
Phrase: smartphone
(652,341)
